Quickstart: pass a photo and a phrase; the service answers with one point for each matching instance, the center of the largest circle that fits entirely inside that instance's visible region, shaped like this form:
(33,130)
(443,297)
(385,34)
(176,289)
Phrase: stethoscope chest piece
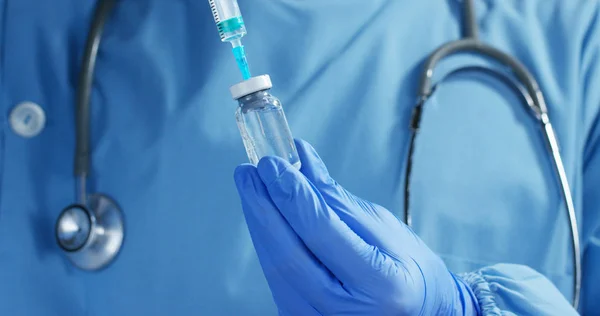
(91,235)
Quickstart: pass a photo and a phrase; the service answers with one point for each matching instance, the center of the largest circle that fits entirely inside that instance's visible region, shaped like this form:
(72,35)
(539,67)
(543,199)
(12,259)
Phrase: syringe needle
(240,58)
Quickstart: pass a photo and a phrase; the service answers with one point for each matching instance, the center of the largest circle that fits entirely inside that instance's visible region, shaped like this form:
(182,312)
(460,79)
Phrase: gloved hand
(325,251)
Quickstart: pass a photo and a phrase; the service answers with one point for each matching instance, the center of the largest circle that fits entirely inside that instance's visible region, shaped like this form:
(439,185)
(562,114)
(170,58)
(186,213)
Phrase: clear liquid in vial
(264,129)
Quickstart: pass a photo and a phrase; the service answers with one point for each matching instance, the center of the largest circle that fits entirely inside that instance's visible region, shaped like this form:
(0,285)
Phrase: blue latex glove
(326,251)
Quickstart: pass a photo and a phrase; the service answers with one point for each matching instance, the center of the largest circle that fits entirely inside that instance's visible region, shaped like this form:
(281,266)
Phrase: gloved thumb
(340,249)
(370,221)
(286,262)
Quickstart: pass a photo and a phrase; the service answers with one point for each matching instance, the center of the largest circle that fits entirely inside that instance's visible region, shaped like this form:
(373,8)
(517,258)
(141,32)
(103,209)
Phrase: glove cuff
(484,295)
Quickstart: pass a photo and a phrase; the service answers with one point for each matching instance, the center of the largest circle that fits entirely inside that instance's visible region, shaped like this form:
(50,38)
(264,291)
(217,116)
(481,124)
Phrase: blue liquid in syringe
(242,62)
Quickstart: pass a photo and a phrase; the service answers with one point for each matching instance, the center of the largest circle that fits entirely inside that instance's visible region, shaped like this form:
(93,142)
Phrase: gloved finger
(370,221)
(343,252)
(285,260)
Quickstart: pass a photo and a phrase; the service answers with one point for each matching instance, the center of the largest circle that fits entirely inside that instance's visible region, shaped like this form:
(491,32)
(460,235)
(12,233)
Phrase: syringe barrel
(228,18)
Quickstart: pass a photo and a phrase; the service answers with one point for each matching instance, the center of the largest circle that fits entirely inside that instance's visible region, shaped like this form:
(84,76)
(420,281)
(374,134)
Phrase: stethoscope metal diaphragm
(91,235)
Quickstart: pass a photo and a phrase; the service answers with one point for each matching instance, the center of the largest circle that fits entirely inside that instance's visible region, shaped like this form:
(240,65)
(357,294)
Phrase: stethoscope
(524,84)
(91,231)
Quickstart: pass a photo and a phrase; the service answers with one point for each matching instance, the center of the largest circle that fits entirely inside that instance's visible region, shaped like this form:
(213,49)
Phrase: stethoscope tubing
(525,85)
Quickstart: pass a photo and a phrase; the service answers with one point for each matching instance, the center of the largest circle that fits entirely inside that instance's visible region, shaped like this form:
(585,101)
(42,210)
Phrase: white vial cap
(250,86)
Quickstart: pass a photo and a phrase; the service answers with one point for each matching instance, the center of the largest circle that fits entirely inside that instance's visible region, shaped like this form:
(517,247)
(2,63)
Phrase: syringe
(231,29)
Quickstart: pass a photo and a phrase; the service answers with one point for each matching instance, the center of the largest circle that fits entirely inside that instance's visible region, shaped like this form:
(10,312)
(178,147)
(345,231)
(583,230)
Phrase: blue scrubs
(165,144)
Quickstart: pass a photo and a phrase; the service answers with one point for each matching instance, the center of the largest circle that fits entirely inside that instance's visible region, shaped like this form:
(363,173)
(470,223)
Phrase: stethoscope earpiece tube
(565,190)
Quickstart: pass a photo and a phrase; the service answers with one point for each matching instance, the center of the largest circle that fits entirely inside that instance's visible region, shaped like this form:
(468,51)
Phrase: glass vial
(262,122)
